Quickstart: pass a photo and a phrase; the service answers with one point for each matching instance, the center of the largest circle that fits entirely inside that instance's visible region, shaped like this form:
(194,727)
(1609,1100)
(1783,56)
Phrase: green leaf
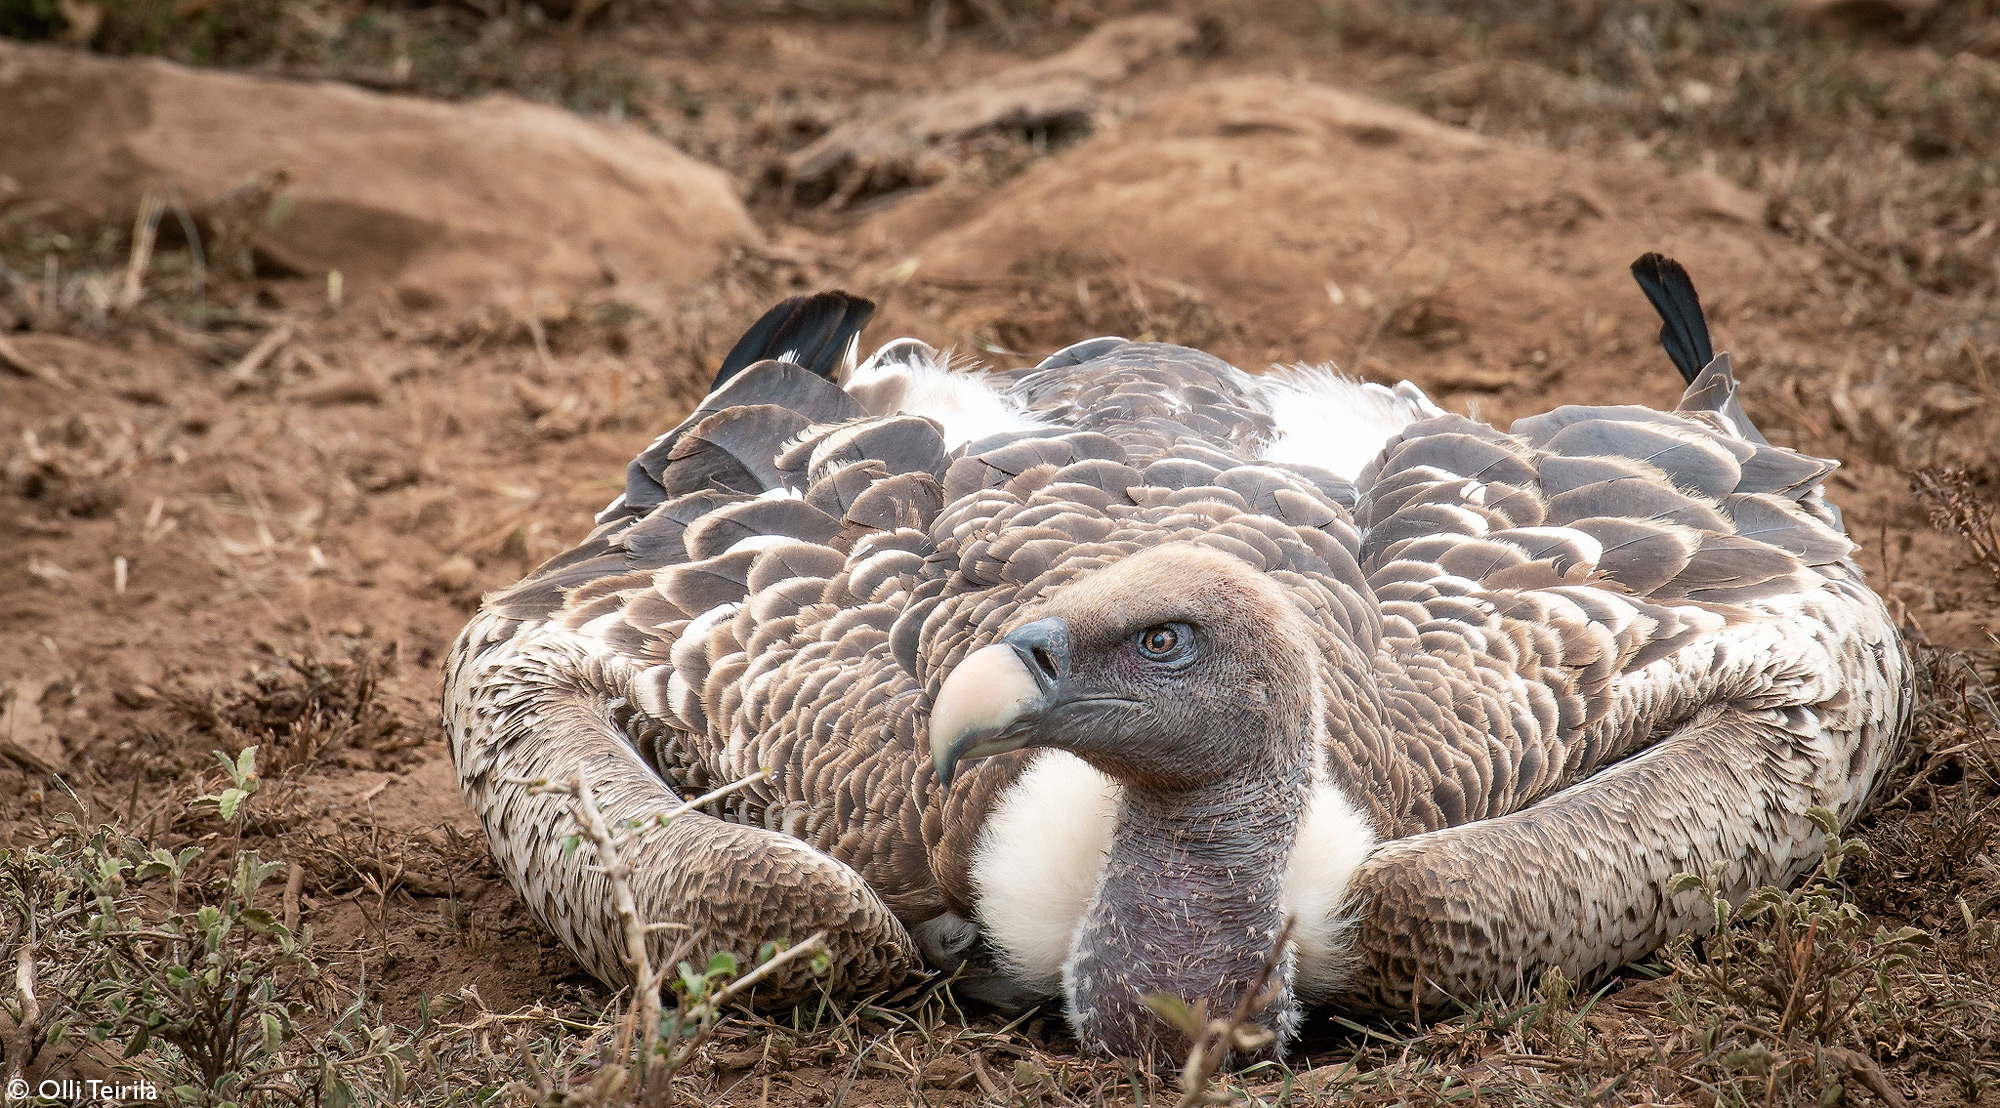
(392,1066)
(1912,936)
(695,984)
(722,964)
(1684,883)
(1175,1011)
(1824,819)
(259,920)
(274,1034)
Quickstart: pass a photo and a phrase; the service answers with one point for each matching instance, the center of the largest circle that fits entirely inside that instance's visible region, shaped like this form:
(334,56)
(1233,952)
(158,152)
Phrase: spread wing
(1636,645)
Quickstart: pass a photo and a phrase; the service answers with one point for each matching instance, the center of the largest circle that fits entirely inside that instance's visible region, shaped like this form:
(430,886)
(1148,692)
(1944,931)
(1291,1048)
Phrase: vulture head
(1192,679)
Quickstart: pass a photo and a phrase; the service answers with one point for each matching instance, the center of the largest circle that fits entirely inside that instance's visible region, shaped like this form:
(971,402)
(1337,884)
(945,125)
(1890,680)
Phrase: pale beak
(987,705)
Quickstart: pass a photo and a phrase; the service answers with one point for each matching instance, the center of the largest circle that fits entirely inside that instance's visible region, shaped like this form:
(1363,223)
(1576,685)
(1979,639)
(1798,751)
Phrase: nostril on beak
(1044,649)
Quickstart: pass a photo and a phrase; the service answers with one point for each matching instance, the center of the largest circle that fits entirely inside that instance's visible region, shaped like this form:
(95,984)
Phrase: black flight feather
(813,330)
(1685,333)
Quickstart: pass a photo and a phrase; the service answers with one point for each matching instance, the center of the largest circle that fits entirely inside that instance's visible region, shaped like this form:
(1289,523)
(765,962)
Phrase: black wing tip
(1684,330)
(1656,266)
(814,329)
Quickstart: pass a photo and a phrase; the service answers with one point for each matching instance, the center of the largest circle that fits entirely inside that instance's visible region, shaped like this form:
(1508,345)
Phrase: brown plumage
(1206,651)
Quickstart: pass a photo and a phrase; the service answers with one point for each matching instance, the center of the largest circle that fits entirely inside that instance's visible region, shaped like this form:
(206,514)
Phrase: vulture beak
(988,704)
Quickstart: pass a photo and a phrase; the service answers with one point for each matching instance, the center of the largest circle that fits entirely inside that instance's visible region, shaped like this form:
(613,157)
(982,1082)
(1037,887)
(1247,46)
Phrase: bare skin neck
(1189,906)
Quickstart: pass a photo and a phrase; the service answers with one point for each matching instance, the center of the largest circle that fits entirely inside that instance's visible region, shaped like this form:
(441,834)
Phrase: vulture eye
(1168,642)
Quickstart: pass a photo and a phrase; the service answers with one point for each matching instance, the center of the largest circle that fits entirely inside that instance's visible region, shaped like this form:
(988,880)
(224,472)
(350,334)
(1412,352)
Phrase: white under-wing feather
(1327,420)
(909,377)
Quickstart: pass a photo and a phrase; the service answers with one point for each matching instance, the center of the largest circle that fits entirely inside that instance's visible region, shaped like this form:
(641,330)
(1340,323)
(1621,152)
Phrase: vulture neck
(1189,905)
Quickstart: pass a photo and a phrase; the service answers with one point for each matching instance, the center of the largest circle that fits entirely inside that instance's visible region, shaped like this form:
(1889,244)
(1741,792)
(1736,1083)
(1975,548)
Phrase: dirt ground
(261,515)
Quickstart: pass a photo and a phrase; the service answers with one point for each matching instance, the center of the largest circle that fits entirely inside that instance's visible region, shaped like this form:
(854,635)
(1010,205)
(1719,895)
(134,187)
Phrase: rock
(439,205)
(26,739)
(454,573)
(1057,95)
(1723,199)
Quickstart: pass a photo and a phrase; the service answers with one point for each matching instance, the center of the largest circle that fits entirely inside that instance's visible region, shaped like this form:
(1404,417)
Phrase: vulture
(1131,674)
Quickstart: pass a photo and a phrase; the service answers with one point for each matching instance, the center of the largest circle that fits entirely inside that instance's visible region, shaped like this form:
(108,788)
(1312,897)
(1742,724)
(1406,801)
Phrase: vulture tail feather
(812,331)
(1685,330)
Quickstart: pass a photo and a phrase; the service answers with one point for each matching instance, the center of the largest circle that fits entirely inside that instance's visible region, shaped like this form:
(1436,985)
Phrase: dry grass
(302,709)
(1951,495)
(1056,296)
(1887,161)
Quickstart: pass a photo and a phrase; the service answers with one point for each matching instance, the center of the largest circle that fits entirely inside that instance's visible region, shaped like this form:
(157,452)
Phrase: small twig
(273,339)
(29,1029)
(1220,1037)
(641,1026)
(12,358)
(144,229)
(749,980)
(295,880)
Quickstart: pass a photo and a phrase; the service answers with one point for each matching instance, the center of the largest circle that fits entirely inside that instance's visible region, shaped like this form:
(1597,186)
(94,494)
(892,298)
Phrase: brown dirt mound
(1319,225)
(449,205)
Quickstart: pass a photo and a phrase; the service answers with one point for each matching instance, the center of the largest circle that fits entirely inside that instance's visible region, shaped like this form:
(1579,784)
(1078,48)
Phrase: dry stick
(29,1028)
(646,999)
(643,1021)
(261,353)
(1219,1036)
(295,880)
(13,358)
(144,229)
